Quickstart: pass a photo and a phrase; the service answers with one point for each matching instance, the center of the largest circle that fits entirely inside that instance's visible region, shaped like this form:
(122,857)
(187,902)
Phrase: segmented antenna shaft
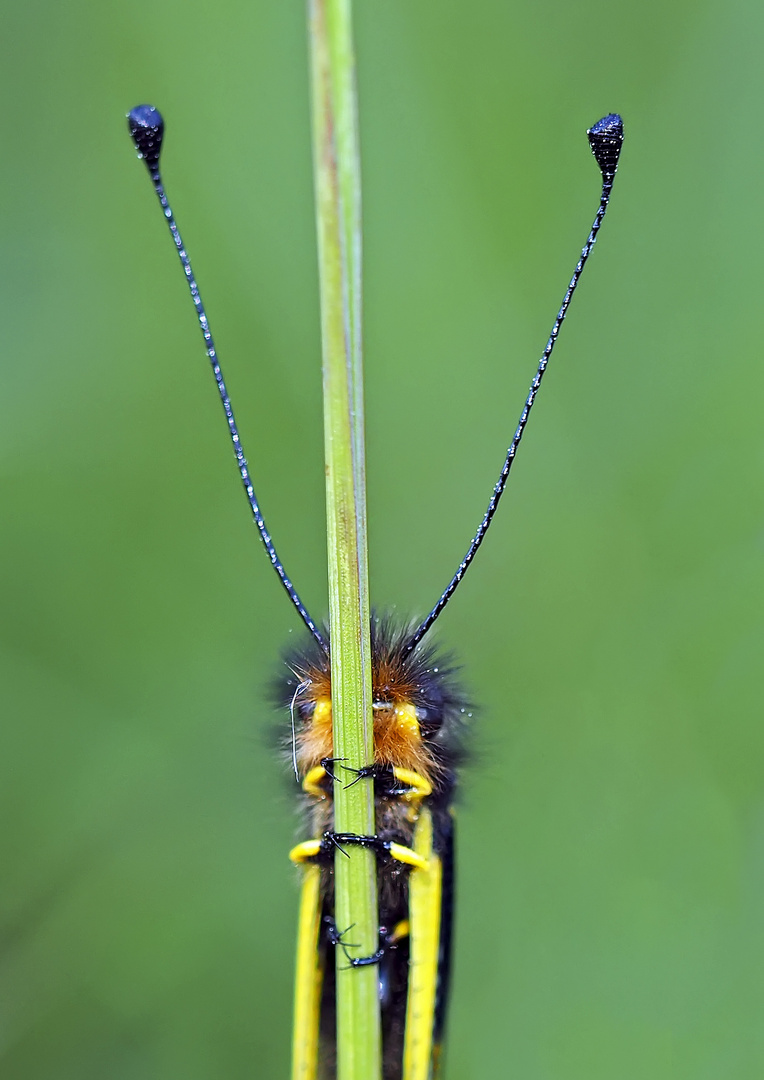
(605,140)
(147,129)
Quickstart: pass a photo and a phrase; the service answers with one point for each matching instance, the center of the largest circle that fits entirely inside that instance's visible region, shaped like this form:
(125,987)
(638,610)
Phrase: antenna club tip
(146,128)
(606,140)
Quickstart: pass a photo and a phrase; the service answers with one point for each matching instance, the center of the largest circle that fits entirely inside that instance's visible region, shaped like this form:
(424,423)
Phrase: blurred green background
(611,892)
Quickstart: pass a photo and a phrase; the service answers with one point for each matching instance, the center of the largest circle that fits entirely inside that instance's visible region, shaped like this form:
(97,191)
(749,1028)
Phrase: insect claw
(335,938)
(331,838)
(326,764)
(368,771)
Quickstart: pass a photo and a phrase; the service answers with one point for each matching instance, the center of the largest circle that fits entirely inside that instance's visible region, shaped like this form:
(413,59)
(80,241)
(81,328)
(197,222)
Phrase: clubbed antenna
(605,140)
(146,129)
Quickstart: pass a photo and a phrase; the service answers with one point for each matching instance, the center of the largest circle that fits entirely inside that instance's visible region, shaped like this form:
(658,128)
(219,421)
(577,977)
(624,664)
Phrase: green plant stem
(338,209)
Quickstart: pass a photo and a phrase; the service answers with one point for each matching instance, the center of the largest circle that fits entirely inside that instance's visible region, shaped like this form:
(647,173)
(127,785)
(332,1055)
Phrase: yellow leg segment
(408,856)
(309,849)
(305,851)
(420,786)
(311,785)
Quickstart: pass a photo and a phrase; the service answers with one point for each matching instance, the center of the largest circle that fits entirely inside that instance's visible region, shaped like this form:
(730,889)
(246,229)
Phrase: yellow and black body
(419,720)
(419,723)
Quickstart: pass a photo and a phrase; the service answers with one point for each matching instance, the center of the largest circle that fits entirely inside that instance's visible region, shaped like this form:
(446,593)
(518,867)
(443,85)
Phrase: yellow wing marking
(309,976)
(425,887)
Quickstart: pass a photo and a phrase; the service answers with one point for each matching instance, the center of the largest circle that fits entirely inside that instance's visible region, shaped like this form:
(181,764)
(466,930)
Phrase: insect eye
(430,722)
(306,711)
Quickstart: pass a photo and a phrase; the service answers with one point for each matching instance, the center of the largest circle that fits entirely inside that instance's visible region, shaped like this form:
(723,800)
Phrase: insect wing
(430,912)
(309,978)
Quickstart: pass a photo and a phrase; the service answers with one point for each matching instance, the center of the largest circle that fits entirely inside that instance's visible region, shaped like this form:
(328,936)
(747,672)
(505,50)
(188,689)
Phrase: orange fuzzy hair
(419,711)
